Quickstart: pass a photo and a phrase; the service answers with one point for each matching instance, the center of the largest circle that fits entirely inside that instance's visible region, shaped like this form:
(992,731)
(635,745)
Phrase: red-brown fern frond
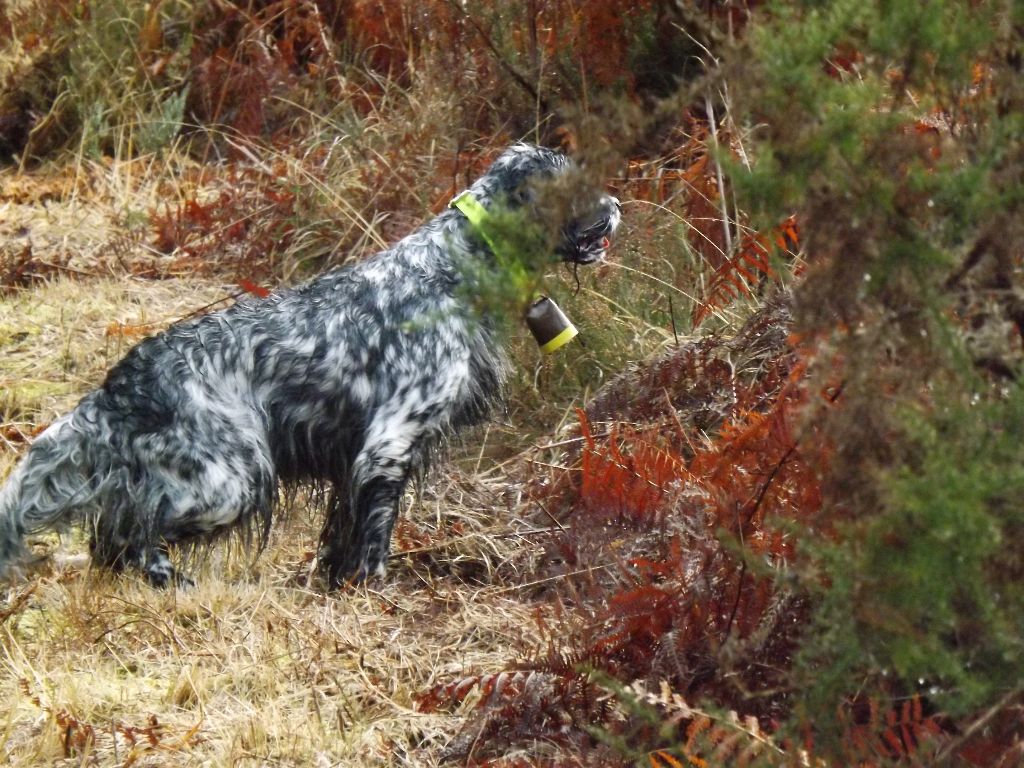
(903,732)
(627,484)
(673,519)
(742,272)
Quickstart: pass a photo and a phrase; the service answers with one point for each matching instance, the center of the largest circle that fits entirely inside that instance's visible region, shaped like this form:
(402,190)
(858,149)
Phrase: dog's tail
(46,490)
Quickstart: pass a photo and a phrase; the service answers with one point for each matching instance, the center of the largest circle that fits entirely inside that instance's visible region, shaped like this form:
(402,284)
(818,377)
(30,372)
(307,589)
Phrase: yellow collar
(478,216)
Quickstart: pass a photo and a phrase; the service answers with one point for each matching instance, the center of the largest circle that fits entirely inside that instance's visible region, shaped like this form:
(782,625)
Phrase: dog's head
(553,191)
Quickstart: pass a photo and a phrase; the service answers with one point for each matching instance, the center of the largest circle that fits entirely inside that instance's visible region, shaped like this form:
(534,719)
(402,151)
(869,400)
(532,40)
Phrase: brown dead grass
(252,666)
(60,337)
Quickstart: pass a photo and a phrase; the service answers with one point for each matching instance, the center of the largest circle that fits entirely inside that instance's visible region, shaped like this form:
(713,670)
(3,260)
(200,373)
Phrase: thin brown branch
(515,74)
(974,256)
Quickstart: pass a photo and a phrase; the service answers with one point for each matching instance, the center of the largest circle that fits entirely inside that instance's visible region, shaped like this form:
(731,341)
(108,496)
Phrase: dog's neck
(549,325)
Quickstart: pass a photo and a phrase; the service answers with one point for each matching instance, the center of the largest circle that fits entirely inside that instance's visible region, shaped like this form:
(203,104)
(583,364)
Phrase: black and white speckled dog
(348,381)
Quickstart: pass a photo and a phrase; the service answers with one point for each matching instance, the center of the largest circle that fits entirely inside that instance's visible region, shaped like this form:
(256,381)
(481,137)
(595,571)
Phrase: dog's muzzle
(587,240)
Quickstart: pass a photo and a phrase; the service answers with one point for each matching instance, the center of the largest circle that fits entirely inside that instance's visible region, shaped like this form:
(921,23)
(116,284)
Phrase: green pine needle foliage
(887,128)
(925,593)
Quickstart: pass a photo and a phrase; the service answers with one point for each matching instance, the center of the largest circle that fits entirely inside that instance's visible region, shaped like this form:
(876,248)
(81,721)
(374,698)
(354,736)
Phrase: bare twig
(719,176)
(978,724)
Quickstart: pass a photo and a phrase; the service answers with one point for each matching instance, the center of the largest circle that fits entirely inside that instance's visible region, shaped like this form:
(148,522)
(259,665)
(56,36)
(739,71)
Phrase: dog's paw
(160,573)
(340,572)
(373,562)
(371,570)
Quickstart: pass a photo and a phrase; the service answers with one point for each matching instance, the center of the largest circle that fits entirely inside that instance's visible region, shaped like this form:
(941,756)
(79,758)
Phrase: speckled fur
(348,381)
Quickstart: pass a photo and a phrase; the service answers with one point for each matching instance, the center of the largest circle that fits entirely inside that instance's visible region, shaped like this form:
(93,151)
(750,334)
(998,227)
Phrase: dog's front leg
(376,511)
(356,539)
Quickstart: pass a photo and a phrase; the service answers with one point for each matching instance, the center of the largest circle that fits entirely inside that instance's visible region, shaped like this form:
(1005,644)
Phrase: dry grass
(252,665)
(255,662)
(61,336)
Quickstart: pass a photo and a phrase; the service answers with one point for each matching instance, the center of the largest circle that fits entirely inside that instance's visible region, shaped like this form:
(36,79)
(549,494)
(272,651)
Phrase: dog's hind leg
(181,492)
(337,539)
(120,541)
(153,561)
